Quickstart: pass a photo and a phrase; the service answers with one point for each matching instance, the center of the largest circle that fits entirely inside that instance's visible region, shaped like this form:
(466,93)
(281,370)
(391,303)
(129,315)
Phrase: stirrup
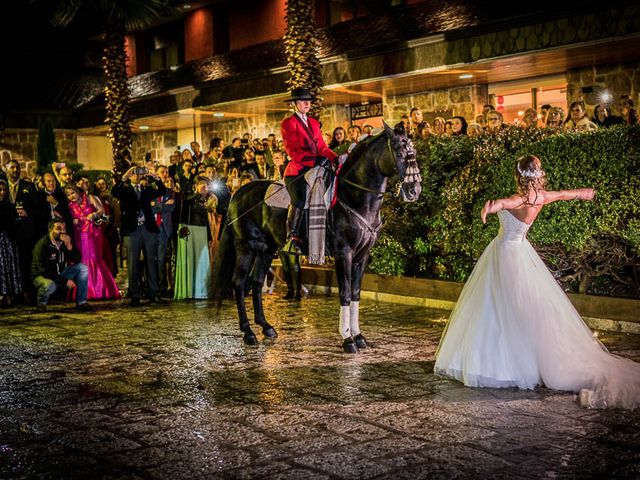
(292,247)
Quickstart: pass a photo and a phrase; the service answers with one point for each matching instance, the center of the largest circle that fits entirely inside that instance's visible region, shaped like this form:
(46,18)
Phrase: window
(165,45)
(513,98)
(343,10)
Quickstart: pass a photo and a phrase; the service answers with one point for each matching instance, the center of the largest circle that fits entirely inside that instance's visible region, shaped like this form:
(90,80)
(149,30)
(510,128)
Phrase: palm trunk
(301,48)
(117,97)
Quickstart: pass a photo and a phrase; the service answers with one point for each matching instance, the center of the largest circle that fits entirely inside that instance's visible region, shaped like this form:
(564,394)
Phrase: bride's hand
(486,210)
(589,194)
(586,194)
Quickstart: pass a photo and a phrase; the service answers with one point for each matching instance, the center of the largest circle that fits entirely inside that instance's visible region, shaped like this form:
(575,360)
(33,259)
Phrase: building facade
(218,68)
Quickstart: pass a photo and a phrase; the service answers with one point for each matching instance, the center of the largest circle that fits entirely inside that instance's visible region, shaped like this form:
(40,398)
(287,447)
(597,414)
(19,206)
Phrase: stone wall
(464,101)
(22,145)
(334,116)
(160,144)
(613,79)
(66,145)
(259,126)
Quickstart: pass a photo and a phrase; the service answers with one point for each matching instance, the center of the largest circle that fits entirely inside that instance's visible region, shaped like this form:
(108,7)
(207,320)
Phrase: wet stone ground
(171,392)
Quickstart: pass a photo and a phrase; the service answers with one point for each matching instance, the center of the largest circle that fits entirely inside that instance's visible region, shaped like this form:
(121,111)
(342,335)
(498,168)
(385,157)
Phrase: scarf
(317,215)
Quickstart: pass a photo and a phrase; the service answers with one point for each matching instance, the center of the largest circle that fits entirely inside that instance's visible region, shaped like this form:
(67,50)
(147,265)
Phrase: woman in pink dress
(85,210)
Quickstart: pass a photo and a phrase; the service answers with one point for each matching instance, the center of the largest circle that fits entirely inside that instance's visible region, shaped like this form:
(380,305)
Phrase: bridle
(371,190)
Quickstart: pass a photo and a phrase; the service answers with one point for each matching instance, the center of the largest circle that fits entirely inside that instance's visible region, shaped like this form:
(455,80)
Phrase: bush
(387,257)
(580,241)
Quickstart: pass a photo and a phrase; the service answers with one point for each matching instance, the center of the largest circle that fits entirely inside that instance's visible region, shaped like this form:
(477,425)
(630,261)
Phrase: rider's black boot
(294,217)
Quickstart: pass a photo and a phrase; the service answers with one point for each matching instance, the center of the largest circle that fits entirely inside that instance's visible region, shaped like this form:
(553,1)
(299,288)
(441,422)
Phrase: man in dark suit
(135,191)
(52,203)
(22,194)
(163,208)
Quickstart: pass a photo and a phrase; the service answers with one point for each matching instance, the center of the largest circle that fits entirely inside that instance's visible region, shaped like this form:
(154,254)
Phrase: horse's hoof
(288,296)
(250,339)
(361,342)
(349,345)
(270,332)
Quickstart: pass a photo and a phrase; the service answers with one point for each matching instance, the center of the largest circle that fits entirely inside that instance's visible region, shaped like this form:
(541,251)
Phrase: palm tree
(300,43)
(115,17)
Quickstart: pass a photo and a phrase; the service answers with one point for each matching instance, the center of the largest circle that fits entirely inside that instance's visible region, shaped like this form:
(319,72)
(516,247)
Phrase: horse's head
(404,154)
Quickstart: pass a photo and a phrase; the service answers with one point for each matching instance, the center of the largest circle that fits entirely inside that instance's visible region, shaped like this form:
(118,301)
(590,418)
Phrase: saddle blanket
(277,195)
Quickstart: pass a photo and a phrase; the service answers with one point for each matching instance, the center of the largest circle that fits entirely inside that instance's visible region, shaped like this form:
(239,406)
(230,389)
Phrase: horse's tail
(221,283)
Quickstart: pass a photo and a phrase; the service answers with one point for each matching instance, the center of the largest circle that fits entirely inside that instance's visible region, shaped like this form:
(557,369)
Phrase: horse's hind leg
(244,259)
(258,273)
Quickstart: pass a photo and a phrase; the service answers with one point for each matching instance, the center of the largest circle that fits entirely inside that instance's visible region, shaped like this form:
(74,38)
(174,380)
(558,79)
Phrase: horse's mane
(358,151)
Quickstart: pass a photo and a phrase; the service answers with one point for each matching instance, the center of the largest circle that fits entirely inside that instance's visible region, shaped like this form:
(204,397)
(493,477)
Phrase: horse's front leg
(261,266)
(357,272)
(244,260)
(343,272)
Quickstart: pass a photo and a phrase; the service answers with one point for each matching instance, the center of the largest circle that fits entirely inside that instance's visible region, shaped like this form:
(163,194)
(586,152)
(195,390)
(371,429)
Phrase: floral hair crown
(537,173)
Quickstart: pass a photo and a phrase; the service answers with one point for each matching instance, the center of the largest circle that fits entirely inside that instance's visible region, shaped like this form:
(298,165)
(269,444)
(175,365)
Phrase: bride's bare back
(526,208)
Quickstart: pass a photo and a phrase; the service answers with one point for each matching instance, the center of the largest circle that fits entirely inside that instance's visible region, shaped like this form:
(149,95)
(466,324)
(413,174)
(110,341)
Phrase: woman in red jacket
(305,145)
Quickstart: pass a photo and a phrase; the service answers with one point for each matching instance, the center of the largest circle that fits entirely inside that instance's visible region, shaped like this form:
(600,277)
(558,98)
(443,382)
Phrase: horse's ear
(387,129)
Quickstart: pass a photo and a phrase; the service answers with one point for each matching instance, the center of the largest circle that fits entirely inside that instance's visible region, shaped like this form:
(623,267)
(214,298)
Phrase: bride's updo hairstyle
(529,176)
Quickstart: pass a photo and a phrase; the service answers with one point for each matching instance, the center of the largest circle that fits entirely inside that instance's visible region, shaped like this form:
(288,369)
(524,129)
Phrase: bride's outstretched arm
(494,206)
(576,194)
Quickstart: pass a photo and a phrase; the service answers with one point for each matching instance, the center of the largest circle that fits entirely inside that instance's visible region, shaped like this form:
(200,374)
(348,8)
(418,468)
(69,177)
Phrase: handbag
(184,232)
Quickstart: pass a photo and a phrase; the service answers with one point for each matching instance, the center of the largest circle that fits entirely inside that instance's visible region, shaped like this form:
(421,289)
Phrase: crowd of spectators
(61,232)
(548,116)
(67,234)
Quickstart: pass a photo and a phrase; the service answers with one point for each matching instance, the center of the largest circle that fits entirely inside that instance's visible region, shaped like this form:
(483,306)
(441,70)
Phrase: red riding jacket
(303,145)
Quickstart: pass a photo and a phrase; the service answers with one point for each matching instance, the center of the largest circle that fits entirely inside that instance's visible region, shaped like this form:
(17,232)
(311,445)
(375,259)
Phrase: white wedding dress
(514,326)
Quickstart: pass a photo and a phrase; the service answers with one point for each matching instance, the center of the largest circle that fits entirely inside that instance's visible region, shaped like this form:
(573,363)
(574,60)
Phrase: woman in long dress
(10,286)
(513,326)
(85,210)
(192,256)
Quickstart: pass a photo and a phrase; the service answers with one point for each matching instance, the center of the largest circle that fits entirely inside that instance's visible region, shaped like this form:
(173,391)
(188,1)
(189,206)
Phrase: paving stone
(173,392)
(343,465)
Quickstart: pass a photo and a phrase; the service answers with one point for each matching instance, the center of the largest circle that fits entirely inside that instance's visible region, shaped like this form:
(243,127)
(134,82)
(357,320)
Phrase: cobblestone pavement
(172,392)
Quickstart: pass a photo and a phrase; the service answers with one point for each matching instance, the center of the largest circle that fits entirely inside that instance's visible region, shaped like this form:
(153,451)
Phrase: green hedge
(590,246)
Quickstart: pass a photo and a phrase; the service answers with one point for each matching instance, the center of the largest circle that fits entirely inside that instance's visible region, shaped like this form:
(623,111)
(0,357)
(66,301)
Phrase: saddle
(277,195)
(317,203)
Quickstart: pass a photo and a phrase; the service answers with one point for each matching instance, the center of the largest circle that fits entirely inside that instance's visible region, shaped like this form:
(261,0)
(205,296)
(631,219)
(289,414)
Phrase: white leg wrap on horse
(345,329)
(354,320)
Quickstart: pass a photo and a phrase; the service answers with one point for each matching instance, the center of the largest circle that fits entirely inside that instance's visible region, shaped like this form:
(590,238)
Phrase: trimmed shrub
(590,246)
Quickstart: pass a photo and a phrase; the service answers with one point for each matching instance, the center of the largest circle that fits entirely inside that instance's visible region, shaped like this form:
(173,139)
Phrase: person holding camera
(87,214)
(56,264)
(139,229)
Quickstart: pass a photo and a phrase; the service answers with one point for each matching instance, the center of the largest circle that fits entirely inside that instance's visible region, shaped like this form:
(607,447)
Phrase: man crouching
(56,264)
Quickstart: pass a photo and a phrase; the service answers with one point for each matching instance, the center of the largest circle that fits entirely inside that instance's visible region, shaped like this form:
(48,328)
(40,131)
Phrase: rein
(373,230)
(249,210)
(362,187)
(367,189)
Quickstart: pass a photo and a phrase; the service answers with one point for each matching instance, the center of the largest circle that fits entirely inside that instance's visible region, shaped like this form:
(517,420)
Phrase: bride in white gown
(513,326)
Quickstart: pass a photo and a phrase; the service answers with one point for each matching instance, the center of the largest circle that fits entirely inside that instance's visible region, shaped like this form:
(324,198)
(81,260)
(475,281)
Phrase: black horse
(255,232)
